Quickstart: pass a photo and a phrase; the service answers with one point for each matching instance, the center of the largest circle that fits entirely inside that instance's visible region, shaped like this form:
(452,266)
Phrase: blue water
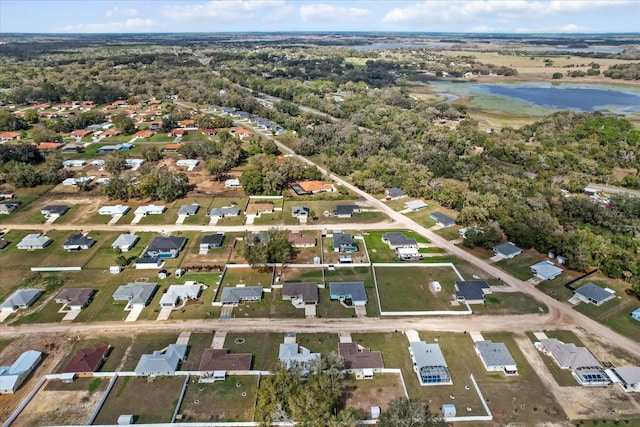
(584,99)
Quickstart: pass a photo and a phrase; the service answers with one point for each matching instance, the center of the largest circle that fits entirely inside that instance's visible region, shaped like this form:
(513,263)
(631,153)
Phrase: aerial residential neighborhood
(316,229)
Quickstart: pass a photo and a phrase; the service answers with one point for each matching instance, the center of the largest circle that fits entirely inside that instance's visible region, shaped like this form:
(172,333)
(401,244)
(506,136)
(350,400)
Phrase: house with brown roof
(111,132)
(299,240)
(49,146)
(187,123)
(360,360)
(75,298)
(80,133)
(176,132)
(88,360)
(171,148)
(219,359)
(300,293)
(7,136)
(258,209)
(241,132)
(302,188)
(209,132)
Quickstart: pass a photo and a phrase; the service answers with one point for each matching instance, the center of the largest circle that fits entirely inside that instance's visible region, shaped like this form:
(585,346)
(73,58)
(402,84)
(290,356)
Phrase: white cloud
(327,12)
(116,11)
(504,11)
(129,26)
(226,10)
(278,14)
(573,28)
(481,29)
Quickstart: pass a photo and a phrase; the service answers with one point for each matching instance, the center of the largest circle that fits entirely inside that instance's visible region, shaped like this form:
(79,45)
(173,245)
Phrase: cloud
(278,14)
(573,28)
(503,11)
(481,29)
(129,26)
(226,10)
(327,12)
(116,11)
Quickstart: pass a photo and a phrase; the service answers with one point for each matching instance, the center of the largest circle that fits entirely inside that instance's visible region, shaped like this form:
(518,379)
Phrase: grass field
(151,402)
(231,400)
(263,347)
(503,303)
(405,288)
(319,343)
(328,308)
(379,251)
(520,266)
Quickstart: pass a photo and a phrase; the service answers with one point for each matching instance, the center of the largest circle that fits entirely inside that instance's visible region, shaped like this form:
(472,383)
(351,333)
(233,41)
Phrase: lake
(543,98)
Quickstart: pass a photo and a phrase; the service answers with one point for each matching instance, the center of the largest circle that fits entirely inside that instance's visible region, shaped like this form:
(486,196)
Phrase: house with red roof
(7,136)
(49,146)
(209,132)
(176,132)
(80,133)
(144,134)
(187,123)
(86,361)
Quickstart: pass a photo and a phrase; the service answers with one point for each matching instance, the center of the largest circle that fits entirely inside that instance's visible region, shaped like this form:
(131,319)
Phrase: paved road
(618,190)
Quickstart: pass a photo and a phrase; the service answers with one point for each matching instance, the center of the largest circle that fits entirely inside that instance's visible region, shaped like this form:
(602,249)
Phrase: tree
(151,153)
(267,247)
(115,164)
(408,413)
(124,124)
(557,76)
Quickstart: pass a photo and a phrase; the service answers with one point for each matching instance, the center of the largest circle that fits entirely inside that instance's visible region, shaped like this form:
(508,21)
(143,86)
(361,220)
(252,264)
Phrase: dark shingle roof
(442,218)
(471,289)
(307,290)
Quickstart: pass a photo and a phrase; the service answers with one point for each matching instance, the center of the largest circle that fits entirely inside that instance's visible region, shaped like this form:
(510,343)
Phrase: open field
(150,401)
(230,400)
(264,348)
(378,391)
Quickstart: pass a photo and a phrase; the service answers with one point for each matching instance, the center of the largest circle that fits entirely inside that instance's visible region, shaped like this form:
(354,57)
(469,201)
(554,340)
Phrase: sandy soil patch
(59,408)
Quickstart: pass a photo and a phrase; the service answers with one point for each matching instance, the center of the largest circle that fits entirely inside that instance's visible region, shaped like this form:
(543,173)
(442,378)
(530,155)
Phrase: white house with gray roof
(349,293)
(137,294)
(177,293)
(292,354)
(125,242)
(162,362)
(234,296)
(226,211)
(188,210)
(507,250)
(593,294)
(20,299)
(496,357)
(34,241)
(415,205)
(113,210)
(429,364)
(150,210)
(584,367)
(546,270)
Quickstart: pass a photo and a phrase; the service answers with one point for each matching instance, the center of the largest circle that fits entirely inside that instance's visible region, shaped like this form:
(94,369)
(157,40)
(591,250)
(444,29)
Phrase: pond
(543,98)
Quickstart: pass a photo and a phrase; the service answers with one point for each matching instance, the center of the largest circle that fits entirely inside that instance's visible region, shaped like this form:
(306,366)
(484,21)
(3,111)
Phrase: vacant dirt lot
(59,408)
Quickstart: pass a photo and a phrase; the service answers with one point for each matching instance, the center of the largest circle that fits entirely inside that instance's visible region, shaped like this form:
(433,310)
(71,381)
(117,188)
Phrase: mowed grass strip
(263,347)
(231,400)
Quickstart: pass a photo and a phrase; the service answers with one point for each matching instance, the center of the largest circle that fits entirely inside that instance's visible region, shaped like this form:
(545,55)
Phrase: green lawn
(406,288)
(198,342)
(231,400)
(319,343)
(520,266)
(327,308)
(264,348)
(503,303)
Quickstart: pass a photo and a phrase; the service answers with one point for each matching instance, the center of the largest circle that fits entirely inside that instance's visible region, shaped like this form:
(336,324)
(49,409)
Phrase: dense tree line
(267,247)
(153,183)
(624,71)
(268,175)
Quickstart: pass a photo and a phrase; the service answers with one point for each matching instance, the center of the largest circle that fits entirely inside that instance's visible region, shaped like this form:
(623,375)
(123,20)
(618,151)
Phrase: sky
(162,16)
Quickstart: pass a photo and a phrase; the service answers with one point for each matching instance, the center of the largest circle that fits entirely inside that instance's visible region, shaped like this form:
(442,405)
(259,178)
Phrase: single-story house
(113,210)
(81,133)
(73,163)
(408,254)
(294,354)
(226,211)
(300,293)
(441,219)
(125,242)
(162,362)
(75,181)
(584,367)
(464,230)
(258,209)
(144,134)
(12,377)
(628,377)
(545,270)
(106,149)
(72,148)
(507,250)
(75,298)
(415,205)
(7,136)
(358,358)
(54,210)
(258,238)
(134,164)
(150,210)
(302,188)
(211,241)
(635,314)
(395,193)
(177,293)
(176,132)
(232,183)
(209,132)
(241,132)
(137,294)
(7,208)
(343,242)
(300,212)
(172,148)
(166,247)
(398,240)
(346,211)
(350,293)
(219,359)
(591,293)
(190,164)
(299,240)
(496,357)
(34,241)
(188,210)
(471,291)
(20,299)
(429,364)
(88,360)
(49,146)
(77,242)
(238,294)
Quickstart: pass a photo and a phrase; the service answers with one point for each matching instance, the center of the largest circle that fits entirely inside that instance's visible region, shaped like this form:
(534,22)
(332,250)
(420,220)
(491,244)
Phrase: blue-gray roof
(293,353)
(546,269)
(243,293)
(427,354)
(340,239)
(125,239)
(221,212)
(395,192)
(135,293)
(495,354)
(188,209)
(346,209)
(21,298)
(353,290)
(441,218)
(507,248)
(79,240)
(11,377)
(593,292)
(159,363)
